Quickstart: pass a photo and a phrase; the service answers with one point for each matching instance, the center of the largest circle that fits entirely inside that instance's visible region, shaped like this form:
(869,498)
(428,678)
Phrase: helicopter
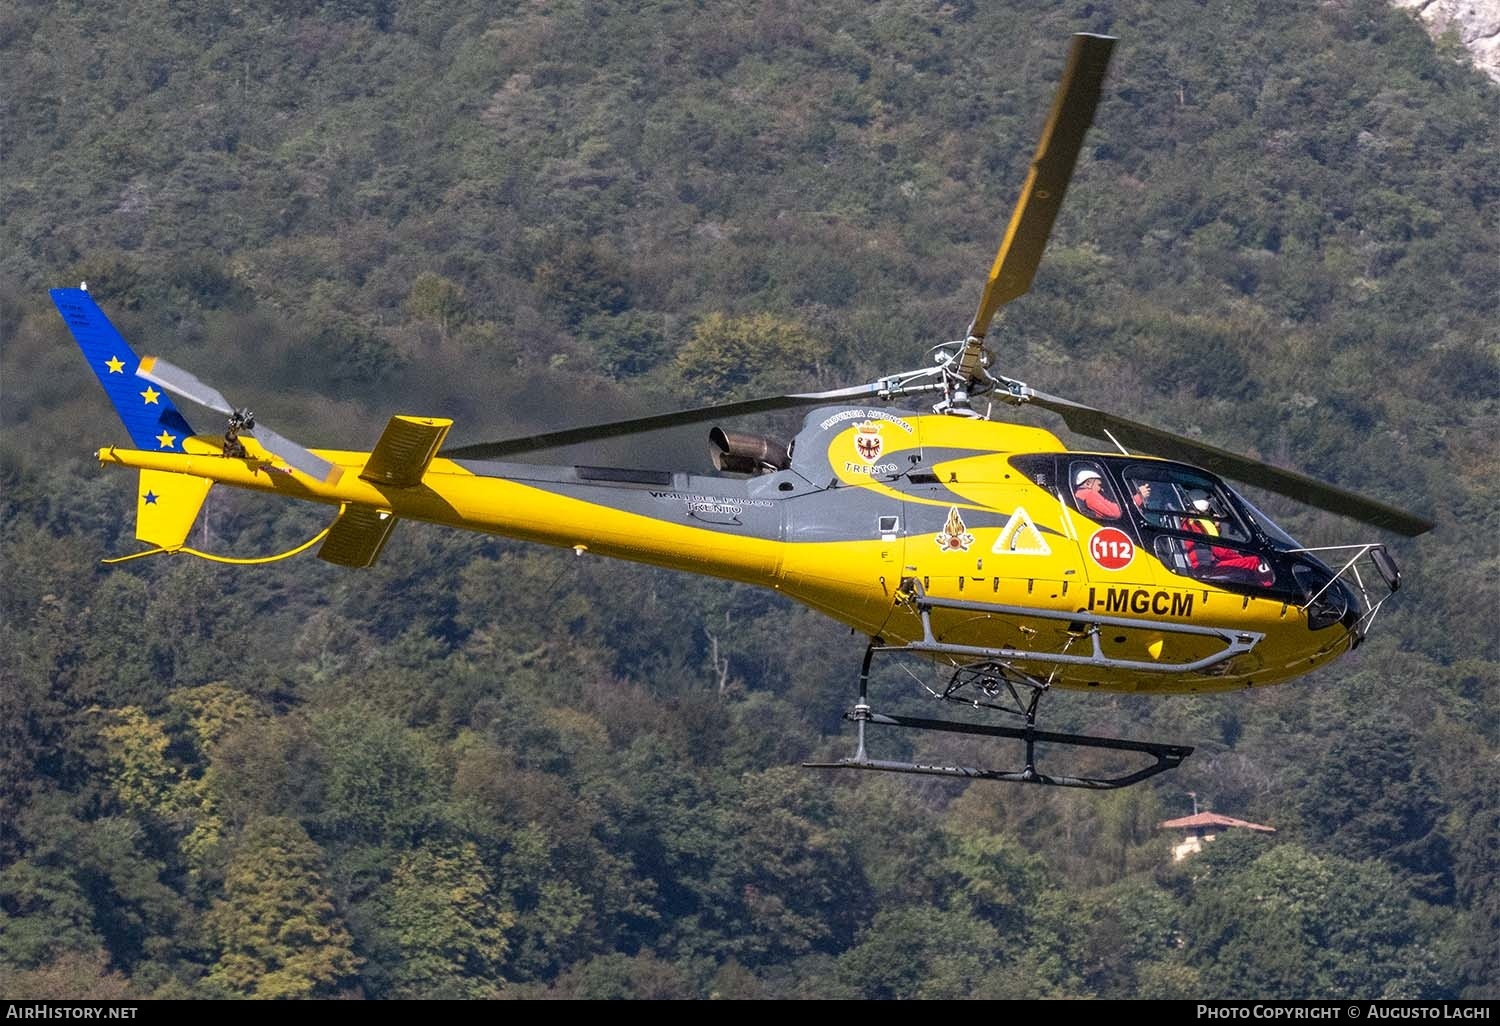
(986,548)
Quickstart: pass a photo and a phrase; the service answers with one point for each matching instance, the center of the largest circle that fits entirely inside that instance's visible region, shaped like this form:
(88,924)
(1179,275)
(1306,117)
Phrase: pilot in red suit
(1088,489)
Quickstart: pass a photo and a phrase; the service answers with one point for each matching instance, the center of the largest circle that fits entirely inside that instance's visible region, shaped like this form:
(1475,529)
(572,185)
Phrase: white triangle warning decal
(1020,537)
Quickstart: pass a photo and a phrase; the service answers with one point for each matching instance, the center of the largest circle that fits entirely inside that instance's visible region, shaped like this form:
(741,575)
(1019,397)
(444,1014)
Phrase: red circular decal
(1111,548)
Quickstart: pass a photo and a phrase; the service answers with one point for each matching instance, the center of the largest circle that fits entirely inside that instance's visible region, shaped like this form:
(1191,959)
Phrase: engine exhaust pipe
(735,453)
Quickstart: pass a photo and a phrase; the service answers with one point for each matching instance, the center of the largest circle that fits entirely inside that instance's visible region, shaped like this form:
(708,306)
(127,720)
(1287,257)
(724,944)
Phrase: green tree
(619,977)
(72,976)
(146,782)
(1132,935)
(729,354)
(1477,868)
(44,914)
(383,782)
(1293,925)
(555,924)
(123,871)
(264,767)
(789,883)
(922,953)
(627,344)
(438,301)
(141,776)
(995,879)
(1371,795)
(212,711)
(581,281)
(276,930)
(442,925)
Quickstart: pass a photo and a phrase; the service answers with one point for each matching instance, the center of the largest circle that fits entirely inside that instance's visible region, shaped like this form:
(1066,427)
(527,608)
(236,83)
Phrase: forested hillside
(486,769)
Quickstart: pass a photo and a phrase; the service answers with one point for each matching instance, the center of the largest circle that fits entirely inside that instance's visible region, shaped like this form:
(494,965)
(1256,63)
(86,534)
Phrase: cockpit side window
(1040,470)
(1178,499)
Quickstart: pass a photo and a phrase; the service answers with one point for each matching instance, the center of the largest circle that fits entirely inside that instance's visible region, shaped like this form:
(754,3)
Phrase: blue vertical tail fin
(167,503)
(151,419)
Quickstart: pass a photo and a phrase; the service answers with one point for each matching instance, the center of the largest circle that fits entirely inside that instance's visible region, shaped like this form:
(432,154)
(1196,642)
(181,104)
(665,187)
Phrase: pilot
(1088,489)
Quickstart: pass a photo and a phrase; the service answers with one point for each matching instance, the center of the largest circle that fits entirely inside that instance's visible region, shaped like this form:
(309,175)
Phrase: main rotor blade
(1051,170)
(1142,437)
(619,428)
(180,383)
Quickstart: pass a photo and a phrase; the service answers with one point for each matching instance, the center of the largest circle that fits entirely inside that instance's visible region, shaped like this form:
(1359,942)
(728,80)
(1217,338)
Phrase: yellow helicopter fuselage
(934,532)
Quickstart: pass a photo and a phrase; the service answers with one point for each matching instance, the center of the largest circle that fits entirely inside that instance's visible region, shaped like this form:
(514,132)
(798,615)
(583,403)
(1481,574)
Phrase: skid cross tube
(1235,642)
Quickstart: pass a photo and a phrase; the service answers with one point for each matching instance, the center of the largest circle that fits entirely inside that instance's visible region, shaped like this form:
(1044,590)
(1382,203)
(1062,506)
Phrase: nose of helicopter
(1339,605)
(1330,602)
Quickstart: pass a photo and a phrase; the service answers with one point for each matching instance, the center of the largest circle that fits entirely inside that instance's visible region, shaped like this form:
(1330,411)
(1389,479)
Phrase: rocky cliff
(1477,23)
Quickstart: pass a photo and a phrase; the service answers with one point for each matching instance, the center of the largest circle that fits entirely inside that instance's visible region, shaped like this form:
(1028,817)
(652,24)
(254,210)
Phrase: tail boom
(669,525)
(528,511)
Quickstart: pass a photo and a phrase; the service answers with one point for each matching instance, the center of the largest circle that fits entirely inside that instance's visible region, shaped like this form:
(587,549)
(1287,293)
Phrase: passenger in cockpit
(1217,559)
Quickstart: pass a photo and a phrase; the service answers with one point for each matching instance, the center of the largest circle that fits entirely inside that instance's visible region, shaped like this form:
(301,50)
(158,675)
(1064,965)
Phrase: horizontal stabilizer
(405,449)
(166,505)
(357,536)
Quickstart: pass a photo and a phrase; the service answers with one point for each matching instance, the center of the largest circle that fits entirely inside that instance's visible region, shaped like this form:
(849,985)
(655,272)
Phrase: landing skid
(992,680)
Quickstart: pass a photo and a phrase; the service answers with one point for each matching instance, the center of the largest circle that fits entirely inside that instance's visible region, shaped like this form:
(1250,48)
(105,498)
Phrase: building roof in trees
(1202,820)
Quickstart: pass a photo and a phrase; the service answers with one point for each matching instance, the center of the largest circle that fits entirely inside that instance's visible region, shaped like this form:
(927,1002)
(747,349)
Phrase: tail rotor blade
(295,455)
(182,384)
(188,386)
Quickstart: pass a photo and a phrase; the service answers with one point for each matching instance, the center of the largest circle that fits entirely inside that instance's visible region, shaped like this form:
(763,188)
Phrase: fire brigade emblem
(954,537)
(867,441)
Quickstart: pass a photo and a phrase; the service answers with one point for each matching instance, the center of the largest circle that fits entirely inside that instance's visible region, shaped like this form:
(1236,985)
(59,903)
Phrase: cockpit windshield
(1199,527)
(1267,525)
